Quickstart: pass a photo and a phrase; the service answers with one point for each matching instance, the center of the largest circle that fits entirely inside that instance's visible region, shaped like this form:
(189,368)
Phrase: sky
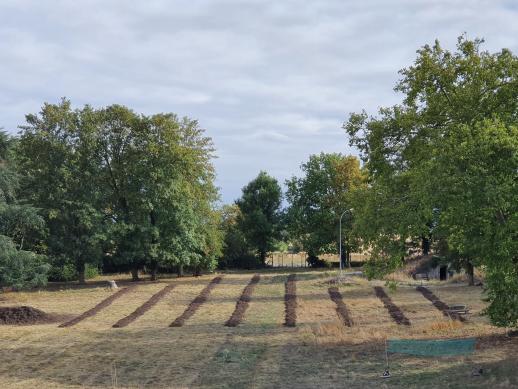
(271,81)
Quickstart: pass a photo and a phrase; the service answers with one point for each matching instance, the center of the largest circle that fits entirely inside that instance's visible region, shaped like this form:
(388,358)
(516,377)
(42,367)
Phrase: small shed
(433,268)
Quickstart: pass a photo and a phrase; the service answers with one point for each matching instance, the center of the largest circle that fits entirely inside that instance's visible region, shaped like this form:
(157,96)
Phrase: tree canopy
(442,165)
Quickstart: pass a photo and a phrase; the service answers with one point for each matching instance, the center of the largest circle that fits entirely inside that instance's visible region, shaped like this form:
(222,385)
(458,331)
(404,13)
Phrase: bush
(64,270)
(21,269)
(316,262)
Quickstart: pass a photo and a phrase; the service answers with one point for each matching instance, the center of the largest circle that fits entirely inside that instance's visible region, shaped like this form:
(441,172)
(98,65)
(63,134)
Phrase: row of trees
(440,173)
(257,223)
(137,191)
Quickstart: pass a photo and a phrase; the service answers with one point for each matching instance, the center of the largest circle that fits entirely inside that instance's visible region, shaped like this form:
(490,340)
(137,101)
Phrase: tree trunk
(180,270)
(470,272)
(81,272)
(262,255)
(425,245)
(154,272)
(134,273)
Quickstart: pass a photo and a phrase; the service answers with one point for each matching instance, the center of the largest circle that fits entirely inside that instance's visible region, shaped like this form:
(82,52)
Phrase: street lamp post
(340,242)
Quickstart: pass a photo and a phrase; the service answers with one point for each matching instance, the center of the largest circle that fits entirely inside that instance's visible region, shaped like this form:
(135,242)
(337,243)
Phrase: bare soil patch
(440,305)
(92,312)
(341,308)
(196,303)
(144,307)
(242,303)
(25,315)
(397,315)
(290,301)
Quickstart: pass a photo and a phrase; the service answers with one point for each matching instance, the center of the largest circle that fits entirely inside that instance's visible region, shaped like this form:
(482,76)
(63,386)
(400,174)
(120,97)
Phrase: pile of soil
(103,304)
(242,303)
(145,307)
(290,301)
(341,308)
(397,315)
(440,305)
(196,303)
(25,316)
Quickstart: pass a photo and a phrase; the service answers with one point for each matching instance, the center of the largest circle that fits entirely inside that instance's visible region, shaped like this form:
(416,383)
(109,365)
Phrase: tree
(443,162)
(20,227)
(56,154)
(158,180)
(260,219)
(318,199)
(236,250)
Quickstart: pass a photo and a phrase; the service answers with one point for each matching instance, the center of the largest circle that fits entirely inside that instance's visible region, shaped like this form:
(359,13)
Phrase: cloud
(271,81)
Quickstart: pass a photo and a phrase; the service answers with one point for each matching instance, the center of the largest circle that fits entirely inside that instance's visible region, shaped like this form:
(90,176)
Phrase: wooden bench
(421,276)
(458,309)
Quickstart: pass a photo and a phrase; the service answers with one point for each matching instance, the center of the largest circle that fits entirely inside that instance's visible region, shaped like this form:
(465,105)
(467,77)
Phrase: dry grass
(260,352)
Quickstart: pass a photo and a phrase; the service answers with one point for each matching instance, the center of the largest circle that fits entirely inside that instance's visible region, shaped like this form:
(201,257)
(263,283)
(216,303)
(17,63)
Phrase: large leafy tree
(318,199)
(443,164)
(260,219)
(159,181)
(21,228)
(56,154)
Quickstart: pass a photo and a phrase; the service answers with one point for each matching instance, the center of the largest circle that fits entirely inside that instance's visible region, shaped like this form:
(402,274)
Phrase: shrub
(21,269)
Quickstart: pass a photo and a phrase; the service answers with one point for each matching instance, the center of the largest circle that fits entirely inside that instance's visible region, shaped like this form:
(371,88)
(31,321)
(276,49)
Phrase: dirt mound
(341,308)
(242,303)
(397,315)
(145,307)
(440,305)
(25,316)
(196,303)
(290,301)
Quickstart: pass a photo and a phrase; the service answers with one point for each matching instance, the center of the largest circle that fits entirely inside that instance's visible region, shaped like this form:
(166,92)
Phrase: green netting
(435,348)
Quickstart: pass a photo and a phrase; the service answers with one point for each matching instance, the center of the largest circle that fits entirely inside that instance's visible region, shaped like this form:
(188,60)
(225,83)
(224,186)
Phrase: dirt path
(397,315)
(196,303)
(341,308)
(103,304)
(290,301)
(440,305)
(144,307)
(242,303)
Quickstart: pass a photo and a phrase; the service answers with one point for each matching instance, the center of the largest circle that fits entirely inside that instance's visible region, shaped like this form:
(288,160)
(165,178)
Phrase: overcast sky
(271,81)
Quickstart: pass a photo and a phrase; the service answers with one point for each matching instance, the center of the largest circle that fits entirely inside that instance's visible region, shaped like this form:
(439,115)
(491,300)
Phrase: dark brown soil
(103,304)
(144,307)
(341,308)
(440,305)
(397,315)
(196,303)
(290,301)
(24,315)
(242,303)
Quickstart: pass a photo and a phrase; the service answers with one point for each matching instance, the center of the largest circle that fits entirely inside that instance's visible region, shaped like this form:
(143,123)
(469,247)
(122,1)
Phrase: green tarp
(435,347)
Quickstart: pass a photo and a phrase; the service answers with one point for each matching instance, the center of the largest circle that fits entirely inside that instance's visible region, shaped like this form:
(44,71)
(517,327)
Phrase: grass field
(260,352)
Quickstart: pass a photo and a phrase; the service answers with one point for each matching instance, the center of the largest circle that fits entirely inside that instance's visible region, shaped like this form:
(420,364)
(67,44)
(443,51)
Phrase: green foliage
(443,166)
(20,269)
(237,253)
(260,217)
(21,227)
(56,154)
(318,198)
(109,181)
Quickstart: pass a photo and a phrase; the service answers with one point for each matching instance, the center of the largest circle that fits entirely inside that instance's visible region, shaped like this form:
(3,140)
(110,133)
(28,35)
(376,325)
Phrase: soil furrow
(440,305)
(144,307)
(341,308)
(394,311)
(290,301)
(242,303)
(196,303)
(103,304)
